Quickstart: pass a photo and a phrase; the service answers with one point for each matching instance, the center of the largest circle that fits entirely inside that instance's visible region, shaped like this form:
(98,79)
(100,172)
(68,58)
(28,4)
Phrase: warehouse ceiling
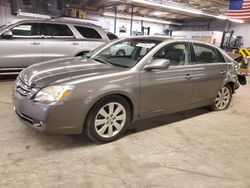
(124,7)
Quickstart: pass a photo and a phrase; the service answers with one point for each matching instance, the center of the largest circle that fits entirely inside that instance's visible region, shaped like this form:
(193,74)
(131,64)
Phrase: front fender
(90,92)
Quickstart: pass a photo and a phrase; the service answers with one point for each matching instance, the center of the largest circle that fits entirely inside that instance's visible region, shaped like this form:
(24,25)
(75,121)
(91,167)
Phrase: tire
(120,53)
(103,126)
(223,99)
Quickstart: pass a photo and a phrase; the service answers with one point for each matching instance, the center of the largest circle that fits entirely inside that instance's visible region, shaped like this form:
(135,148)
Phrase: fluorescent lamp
(221,17)
(157,13)
(236,21)
(109,14)
(181,8)
(171,6)
(33,15)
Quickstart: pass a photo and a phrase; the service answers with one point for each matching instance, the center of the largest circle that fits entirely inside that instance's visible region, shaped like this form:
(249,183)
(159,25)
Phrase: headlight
(53,93)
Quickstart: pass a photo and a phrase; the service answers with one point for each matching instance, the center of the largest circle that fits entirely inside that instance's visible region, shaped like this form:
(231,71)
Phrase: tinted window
(26,30)
(88,32)
(178,54)
(57,30)
(111,36)
(207,54)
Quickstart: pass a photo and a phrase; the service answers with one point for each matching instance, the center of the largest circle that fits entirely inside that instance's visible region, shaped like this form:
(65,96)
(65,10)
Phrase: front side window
(125,53)
(207,54)
(58,31)
(27,30)
(87,32)
(177,54)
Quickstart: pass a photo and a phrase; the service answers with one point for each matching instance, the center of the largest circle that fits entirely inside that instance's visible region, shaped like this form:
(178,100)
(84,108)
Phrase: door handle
(188,76)
(222,72)
(43,37)
(35,43)
(75,43)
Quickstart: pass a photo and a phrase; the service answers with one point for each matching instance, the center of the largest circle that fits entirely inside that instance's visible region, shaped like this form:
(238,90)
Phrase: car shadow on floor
(60,142)
(164,120)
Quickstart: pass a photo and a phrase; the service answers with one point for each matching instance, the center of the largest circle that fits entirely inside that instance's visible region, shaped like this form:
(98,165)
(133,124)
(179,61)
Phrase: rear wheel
(108,119)
(120,53)
(223,99)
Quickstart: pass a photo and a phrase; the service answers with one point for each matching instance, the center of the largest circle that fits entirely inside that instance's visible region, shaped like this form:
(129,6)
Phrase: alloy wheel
(223,98)
(110,120)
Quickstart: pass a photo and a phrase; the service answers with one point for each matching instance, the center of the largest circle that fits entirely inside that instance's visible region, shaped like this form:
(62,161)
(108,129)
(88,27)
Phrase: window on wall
(26,30)
(207,54)
(177,54)
(58,31)
(87,32)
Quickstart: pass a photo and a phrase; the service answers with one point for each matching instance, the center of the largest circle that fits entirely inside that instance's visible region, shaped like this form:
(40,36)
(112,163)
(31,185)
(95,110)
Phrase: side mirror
(157,64)
(7,34)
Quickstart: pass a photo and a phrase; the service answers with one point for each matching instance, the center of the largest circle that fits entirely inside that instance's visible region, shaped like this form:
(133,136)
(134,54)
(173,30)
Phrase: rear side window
(111,36)
(58,31)
(207,54)
(26,30)
(87,32)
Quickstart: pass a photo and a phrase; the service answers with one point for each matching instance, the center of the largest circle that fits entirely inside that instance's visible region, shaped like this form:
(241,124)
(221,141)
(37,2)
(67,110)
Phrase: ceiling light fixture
(236,21)
(181,8)
(157,13)
(26,14)
(109,14)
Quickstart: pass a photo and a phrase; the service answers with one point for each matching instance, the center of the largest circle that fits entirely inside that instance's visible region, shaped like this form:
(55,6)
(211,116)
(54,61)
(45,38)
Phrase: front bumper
(56,118)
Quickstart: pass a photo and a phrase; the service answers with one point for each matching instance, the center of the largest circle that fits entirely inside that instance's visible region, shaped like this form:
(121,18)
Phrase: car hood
(63,70)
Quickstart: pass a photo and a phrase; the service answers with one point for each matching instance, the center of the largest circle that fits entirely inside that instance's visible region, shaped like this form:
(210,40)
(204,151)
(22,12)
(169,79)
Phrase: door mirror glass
(7,34)
(157,64)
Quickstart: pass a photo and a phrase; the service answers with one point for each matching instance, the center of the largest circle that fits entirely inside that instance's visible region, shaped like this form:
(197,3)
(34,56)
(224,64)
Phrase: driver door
(169,89)
(24,48)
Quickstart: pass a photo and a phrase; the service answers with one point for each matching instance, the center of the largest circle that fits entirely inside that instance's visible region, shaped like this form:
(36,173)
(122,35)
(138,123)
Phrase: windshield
(4,26)
(125,53)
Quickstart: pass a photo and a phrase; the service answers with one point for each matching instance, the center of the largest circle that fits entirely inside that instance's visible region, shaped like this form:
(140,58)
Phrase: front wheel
(108,119)
(223,99)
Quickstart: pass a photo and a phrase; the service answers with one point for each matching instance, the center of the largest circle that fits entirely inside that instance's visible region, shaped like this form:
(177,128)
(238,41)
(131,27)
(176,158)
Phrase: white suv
(31,41)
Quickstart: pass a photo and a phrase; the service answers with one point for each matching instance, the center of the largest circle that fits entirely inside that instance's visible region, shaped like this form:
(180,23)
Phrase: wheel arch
(232,85)
(120,94)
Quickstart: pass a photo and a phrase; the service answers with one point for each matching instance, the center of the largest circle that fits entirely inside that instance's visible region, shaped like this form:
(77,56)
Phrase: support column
(115,20)
(131,21)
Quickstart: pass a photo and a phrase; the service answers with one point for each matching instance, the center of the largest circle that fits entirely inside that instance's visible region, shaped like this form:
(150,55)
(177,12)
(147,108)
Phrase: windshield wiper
(100,60)
(107,62)
(118,65)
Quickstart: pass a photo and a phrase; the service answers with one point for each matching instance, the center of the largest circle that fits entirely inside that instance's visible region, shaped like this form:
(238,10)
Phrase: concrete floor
(197,148)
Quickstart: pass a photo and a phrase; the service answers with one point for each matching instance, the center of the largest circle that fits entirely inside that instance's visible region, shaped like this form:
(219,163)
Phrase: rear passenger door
(209,72)
(91,38)
(59,41)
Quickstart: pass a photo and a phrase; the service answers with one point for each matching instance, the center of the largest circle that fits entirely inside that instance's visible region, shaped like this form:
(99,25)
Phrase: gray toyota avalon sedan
(103,93)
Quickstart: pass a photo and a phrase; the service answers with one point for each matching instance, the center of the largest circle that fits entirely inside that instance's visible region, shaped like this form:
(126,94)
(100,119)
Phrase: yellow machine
(245,63)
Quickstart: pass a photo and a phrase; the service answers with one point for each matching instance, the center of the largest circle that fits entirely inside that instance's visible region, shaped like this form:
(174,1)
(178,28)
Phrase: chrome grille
(21,89)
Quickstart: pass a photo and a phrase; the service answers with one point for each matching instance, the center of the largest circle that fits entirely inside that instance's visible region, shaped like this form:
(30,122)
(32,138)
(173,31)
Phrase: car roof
(153,37)
(60,22)
(169,38)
